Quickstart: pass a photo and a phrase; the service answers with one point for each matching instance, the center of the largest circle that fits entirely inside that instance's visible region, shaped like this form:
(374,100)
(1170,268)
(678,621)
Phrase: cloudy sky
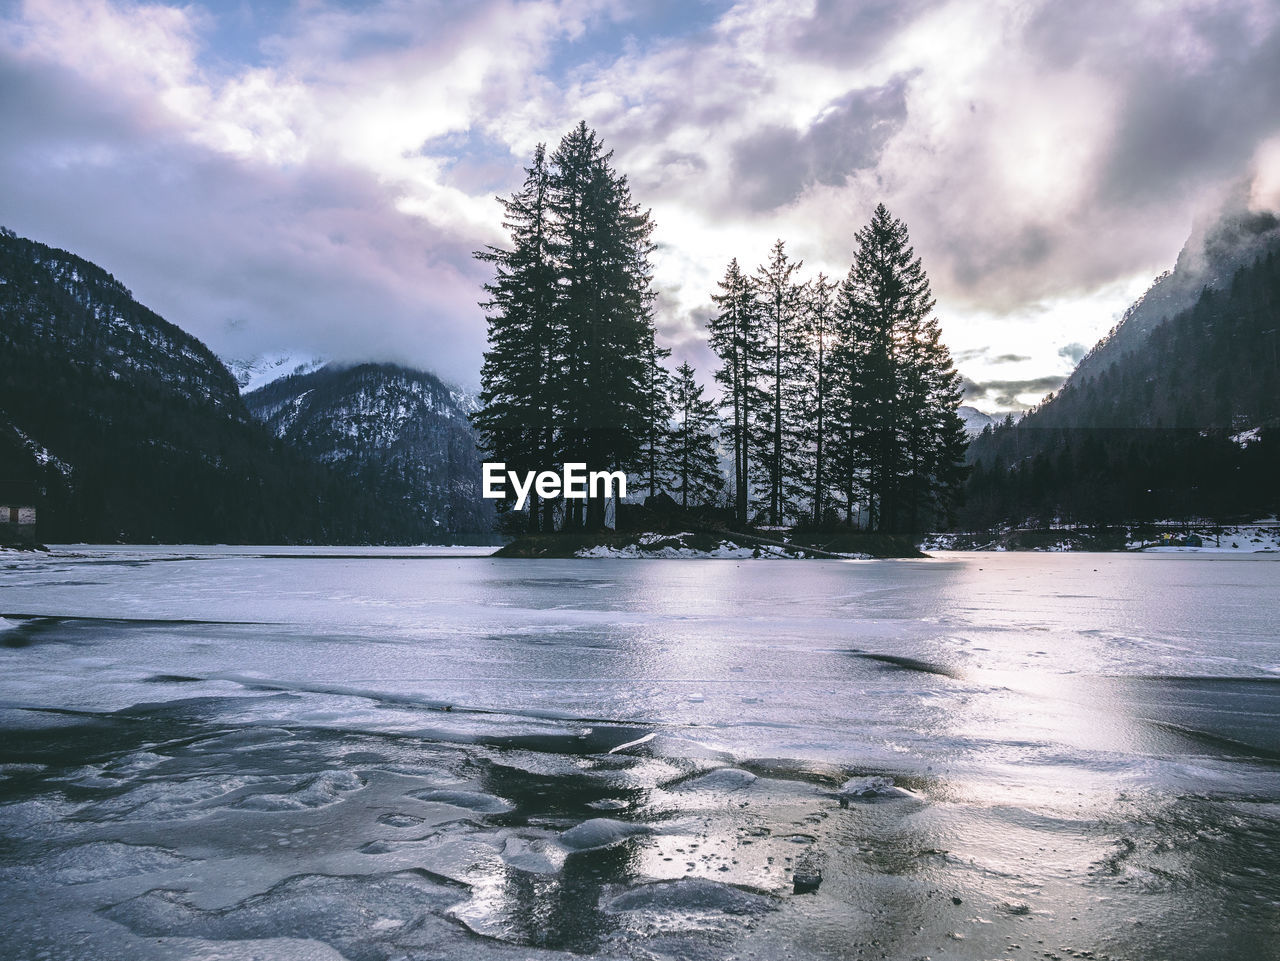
(313,176)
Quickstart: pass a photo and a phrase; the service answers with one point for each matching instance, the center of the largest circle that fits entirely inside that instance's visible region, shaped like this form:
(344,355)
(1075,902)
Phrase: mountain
(1171,416)
(121,426)
(1216,249)
(975,421)
(254,372)
(402,432)
(55,302)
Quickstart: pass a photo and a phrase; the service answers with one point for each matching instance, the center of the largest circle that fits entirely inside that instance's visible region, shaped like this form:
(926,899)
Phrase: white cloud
(322,187)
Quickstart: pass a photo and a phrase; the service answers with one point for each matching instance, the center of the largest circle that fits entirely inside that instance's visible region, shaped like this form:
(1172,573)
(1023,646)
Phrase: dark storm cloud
(1021,248)
(1005,393)
(774,165)
(846,33)
(1181,126)
(1072,352)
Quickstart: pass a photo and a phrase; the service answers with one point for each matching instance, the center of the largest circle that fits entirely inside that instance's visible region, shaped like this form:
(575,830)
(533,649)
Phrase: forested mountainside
(1210,258)
(1183,422)
(402,433)
(121,426)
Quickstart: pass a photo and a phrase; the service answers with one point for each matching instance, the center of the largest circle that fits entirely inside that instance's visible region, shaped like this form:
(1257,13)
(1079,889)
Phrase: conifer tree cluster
(839,399)
(572,373)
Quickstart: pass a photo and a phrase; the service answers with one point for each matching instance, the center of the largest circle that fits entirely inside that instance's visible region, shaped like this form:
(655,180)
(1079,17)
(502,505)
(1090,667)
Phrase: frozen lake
(383,754)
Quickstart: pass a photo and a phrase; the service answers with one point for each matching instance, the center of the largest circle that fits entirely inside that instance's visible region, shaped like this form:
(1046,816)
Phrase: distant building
(17,513)
(17,524)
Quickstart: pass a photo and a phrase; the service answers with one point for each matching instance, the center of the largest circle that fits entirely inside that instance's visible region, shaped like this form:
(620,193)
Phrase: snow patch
(255,372)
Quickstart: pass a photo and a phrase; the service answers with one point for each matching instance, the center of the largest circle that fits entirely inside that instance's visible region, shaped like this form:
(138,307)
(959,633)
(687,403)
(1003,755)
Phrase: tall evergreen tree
(850,402)
(654,466)
(602,247)
(736,338)
(778,425)
(519,390)
(695,465)
(897,392)
(567,374)
(816,396)
(933,435)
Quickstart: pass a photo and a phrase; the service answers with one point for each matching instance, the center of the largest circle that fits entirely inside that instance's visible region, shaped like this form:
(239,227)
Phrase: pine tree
(777,424)
(567,374)
(900,437)
(653,465)
(519,389)
(933,433)
(815,392)
(735,337)
(602,247)
(695,465)
(880,298)
(857,386)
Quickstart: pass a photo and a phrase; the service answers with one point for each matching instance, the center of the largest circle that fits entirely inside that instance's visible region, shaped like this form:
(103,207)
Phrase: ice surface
(235,753)
(871,789)
(471,800)
(687,895)
(538,855)
(99,860)
(325,788)
(598,833)
(338,911)
(725,779)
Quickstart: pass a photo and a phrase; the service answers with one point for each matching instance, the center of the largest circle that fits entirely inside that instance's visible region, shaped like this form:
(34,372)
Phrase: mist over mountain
(254,372)
(1175,414)
(1216,249)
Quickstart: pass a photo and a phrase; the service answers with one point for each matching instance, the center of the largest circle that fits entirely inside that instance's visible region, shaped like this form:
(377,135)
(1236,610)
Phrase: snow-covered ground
(669,546)
(1259,537)
(1238,539)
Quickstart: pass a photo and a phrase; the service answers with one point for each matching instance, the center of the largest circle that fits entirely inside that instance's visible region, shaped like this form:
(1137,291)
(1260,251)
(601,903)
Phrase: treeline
(838,399)
(1150,437)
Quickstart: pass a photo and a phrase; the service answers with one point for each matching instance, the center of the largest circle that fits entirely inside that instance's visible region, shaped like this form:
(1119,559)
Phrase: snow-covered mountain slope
(120,426)
(974,420)
(254,373)
(401,430)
